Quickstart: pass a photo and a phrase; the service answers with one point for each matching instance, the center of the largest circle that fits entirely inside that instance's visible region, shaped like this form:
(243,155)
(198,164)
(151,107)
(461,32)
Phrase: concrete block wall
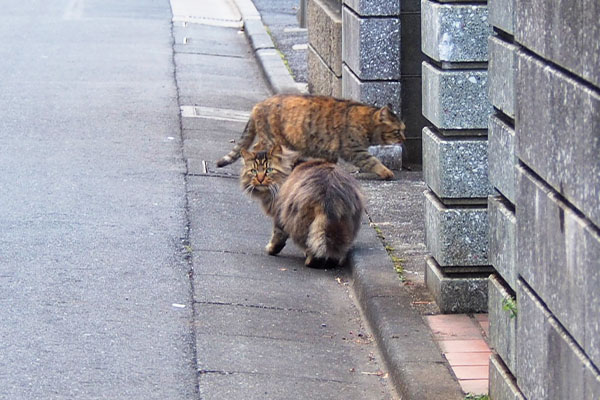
(324,57)
(544,219)
(455,160)
(369,50)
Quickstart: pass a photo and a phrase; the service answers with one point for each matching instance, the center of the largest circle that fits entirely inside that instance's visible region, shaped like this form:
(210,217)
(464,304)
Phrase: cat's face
(390,129)
(263,171)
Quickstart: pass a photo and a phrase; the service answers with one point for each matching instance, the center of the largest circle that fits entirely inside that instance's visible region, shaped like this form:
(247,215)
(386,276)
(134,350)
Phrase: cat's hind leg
(277,242)
(367,162)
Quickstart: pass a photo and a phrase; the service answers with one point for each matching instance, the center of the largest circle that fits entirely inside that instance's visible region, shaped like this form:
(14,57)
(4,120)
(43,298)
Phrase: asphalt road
(95,298)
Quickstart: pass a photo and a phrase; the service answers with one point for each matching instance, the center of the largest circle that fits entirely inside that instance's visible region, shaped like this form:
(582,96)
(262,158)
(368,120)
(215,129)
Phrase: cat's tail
(244,143)
(316,241)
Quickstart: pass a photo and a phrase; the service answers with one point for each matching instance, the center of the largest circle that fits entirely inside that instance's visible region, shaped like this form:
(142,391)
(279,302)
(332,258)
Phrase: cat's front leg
(367,162)
(277,242)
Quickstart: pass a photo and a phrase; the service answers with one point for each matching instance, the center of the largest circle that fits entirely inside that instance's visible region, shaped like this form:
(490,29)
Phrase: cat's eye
(269,170)
(254,172)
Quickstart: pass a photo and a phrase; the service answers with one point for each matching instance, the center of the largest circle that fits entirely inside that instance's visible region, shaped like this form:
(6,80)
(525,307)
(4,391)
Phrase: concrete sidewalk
(265,327)
(410,344)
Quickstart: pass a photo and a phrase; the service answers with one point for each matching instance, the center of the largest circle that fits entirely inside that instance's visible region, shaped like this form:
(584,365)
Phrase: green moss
(398,267)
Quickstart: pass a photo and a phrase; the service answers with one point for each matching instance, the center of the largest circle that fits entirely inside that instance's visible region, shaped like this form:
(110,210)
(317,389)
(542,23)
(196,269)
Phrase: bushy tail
(317,236)
(244,143)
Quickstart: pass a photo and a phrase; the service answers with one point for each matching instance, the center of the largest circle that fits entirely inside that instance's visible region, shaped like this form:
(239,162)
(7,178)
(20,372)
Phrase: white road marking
(207,12)
(219,114)
(302,46)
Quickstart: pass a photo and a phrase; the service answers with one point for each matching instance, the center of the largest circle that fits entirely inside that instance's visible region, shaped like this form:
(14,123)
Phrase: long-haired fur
(318,204)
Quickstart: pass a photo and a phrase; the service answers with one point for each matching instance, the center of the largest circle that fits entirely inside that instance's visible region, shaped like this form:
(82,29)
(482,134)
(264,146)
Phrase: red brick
(465,359)
(463,346)
(453,326)
(472,372)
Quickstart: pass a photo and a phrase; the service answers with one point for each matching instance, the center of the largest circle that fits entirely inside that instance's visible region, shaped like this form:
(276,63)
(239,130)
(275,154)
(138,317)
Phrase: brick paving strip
(462,340)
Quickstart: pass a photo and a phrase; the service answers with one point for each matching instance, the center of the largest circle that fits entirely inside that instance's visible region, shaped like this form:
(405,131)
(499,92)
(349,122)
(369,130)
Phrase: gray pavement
(95,298)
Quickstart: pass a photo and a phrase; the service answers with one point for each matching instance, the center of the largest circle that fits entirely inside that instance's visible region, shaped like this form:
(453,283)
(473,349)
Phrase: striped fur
(321,127)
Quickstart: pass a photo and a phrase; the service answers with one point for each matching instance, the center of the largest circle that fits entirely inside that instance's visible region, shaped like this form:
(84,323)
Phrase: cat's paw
(274,248)
(385,173)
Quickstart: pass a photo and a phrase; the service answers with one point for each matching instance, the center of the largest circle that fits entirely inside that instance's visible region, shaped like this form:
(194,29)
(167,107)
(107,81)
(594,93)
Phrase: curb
(269,60)
(415,364)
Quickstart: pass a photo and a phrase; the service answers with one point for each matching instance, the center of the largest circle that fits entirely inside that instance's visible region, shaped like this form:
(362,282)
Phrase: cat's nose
(260,177)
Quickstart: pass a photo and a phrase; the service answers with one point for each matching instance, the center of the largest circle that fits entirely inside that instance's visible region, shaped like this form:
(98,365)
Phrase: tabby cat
(316,202)
(321,127)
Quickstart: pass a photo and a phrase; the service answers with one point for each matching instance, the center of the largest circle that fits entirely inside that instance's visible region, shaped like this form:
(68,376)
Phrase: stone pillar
(544,163)
(381,60)
(455,162)
(371,52)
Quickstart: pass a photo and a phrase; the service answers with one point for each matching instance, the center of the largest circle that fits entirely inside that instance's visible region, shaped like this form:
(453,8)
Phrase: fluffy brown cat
(321,127)
(316,202)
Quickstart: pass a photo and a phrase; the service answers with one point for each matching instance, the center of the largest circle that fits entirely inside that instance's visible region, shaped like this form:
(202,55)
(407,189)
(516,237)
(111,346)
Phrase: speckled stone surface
(503,327)
(502,250)
(549,363)
(377,93)
(454,32)
(557,131)
(501,157)
(455,99)
(566,32)
(456,294)
(456,236)
(455,167)
(363,38)
(502,14)
(374,7)
(325,33)
(501,75)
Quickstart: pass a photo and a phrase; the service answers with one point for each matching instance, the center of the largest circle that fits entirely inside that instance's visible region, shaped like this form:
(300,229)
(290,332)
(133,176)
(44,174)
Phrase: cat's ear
(246,155)
(386,114)
(276,151)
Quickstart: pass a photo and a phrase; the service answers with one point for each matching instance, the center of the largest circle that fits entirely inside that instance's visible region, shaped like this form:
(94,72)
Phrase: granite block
(558,255)
(502,14)
(454,32)
(456,293)
(503,324)
(502,71)
(455,167)
(363,38)
(455,99)
(565,32)
(321,79)
(502,160)
(325,33)
(377,93)
(456,236)
(374,8)
(550,364)
(503,385)
(503,239)
(557,132)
